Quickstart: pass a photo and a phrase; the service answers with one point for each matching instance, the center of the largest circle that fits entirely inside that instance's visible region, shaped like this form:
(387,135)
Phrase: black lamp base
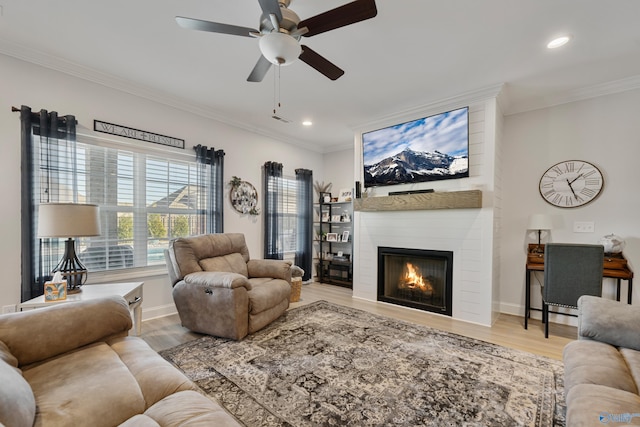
(72,270)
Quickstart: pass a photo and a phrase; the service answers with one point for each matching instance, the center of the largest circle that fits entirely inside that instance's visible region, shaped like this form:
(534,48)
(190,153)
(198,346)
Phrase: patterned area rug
(327,365)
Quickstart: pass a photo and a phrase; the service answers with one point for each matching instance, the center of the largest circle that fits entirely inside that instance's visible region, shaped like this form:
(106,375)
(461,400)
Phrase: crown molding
(498,91)
(580,94)
(92,75)
(451,103)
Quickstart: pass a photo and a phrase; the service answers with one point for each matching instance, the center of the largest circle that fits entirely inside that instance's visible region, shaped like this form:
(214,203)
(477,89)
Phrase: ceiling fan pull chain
(274,93)
(279,84)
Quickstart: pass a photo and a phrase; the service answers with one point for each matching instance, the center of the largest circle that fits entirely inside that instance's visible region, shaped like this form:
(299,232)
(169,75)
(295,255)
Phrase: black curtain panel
(273,210)
(211,175)
(304,246)
(42,133)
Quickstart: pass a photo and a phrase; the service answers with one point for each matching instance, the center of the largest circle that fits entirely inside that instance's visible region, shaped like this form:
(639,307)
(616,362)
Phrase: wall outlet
(583,227)
(9,309)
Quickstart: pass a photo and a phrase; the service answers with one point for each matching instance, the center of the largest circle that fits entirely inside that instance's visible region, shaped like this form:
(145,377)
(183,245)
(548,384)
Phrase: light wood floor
(166,332)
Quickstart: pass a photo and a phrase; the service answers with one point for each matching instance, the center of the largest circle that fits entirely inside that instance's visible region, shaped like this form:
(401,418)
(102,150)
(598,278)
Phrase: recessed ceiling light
(307,123)
(557,42)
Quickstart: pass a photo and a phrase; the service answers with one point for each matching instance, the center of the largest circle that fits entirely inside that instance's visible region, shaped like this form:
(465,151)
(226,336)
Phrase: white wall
(22,83)
(603,130)
(338,170)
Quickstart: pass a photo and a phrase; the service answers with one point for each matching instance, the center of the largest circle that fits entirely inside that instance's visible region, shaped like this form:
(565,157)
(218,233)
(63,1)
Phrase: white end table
(132,292)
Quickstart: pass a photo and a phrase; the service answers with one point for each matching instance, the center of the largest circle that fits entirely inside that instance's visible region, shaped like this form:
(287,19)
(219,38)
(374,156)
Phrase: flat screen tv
(429,149)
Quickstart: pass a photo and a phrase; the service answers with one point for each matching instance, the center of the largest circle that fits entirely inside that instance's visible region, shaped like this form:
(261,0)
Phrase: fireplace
(416,278)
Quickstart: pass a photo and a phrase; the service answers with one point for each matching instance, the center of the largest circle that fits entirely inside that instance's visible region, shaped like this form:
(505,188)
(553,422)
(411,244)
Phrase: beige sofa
(218,290)
(73,364)
(602,368)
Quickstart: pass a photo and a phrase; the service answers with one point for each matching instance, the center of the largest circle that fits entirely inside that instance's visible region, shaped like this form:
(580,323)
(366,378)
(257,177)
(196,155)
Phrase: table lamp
(539,222)
(69,220)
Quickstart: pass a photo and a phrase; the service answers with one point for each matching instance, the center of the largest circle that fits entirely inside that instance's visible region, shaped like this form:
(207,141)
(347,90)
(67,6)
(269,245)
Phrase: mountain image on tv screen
(428,149)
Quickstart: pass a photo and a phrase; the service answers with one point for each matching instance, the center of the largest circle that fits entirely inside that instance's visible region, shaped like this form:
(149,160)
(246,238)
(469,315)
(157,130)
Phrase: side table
(131,292)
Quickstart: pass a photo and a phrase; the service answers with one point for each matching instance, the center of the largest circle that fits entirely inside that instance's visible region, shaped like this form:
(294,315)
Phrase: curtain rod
(37,113)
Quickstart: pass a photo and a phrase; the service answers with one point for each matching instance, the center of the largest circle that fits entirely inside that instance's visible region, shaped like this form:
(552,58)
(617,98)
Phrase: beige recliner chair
(219,291)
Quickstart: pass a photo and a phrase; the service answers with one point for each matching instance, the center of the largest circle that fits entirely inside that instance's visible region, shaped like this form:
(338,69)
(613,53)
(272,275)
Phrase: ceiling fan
(281,30)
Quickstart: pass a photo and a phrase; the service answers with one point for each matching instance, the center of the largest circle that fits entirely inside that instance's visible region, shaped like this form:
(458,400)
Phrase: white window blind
(288,232)
(144,201)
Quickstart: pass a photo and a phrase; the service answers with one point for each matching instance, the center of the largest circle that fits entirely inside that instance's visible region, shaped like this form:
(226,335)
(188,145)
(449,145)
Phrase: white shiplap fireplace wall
(471,234)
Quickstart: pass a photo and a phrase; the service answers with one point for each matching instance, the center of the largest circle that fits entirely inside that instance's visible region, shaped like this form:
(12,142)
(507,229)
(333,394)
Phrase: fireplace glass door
(416,278)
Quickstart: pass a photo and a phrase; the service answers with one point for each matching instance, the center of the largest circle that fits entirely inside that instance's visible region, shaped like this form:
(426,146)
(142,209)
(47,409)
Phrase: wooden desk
(619,272)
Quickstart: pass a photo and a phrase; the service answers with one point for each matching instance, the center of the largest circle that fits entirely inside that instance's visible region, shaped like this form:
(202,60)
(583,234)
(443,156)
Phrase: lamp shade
(68,220)
(279,48)
(540,222)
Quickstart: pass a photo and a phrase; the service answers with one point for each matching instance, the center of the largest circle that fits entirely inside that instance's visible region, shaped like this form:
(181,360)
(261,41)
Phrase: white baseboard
(518,310)
(159,311)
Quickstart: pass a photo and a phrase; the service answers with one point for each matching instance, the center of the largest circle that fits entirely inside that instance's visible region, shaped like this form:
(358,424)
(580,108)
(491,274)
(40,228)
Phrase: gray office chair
(570,271)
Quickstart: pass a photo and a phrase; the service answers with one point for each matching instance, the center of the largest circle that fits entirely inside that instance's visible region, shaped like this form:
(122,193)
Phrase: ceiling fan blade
(320,63)
(260,70)
(271,7)
(342,16)
(214,27)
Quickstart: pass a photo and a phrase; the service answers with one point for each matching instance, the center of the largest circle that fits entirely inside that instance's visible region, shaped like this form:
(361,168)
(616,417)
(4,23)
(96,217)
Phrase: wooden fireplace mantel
(467,199)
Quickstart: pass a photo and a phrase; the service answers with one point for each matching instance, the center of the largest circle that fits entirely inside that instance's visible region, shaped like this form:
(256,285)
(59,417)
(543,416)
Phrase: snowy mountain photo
(428,149)
(415,166)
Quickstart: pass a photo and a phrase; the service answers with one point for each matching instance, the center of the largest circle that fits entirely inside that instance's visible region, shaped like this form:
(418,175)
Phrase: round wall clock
(571,183)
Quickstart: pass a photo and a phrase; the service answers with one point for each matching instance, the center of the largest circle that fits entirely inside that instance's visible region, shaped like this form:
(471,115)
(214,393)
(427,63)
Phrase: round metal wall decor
(244,197)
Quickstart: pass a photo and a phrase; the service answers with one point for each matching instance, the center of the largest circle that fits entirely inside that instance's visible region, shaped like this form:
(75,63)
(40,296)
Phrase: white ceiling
(413,53)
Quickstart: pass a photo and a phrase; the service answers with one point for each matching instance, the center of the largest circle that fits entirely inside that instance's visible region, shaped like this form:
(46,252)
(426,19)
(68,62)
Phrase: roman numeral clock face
(571,183)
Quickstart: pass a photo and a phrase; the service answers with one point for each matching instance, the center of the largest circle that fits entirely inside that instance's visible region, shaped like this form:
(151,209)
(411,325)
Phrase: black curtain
(273,208)
(41,132)
(211,176)
(304,251)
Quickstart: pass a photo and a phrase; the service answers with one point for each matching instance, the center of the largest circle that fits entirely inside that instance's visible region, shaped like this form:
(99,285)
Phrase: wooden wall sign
(141,135)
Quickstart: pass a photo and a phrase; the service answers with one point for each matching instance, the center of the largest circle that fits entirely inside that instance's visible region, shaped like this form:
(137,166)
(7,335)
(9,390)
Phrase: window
(288,232)
(144,200)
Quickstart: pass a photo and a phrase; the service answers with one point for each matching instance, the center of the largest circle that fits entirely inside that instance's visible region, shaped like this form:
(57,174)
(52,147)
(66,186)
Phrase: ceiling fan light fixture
(279,48)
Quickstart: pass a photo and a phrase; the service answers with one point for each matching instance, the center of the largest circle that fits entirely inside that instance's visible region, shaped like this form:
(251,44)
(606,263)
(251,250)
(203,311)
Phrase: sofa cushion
(267,293)
(632,359)
(156,377)
(262,319)
(233,263)
(593,362)
(278,269)
(586,403)
(6,356)
(217,279)
(17,403)
(91,383)
(608,321)
(189,251)
(140,420)
(189,409)
(63,327)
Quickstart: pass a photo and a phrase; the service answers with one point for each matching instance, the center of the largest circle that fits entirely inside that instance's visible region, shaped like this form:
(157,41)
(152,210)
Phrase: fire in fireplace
(416,278)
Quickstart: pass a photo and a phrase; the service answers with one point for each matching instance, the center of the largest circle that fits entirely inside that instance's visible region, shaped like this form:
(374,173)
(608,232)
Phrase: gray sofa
(73,364)
(602,368)
(218,290)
